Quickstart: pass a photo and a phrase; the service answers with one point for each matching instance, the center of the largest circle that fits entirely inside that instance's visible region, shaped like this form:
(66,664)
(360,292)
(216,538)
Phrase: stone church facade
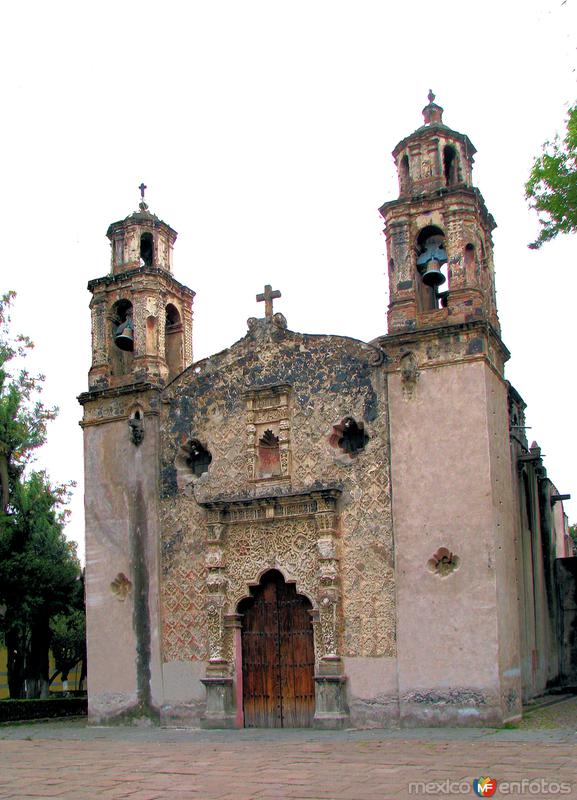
(314,530)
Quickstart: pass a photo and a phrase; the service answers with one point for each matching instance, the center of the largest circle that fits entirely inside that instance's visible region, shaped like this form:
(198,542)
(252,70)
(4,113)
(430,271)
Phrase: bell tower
(141,315)
(439,245)
(141,340)
(454,514)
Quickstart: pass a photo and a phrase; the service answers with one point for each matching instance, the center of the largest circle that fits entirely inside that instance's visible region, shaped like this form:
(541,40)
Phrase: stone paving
(72,760)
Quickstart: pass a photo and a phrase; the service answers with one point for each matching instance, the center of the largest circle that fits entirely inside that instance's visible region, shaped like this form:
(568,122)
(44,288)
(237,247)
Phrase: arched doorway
(277,656)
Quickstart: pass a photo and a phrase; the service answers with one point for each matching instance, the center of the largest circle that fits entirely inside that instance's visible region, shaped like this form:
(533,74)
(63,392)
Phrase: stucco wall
(448,629)
(121,491)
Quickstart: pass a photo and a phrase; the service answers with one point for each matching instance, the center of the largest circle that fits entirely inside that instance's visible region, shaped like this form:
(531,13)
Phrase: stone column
(331,709)
(218,682)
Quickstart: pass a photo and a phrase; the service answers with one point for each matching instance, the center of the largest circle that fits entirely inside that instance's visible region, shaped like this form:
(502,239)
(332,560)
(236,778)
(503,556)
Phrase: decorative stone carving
(443,562)
(409,374)
(121,587)
(303,418)
(281,533)
(136,426)
(265,407)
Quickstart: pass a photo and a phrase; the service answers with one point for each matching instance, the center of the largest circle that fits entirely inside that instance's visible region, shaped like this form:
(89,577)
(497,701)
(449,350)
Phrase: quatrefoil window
(349,436)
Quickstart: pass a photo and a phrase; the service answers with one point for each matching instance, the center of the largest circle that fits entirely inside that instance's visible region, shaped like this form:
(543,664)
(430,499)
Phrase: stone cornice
(130,274)
(117,391)
(434,332)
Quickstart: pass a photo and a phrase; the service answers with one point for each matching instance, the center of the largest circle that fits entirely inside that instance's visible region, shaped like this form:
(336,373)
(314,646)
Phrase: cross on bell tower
(267,297)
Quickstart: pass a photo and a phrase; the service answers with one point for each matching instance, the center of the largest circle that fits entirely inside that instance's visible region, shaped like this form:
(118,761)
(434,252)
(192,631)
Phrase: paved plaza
(76,761)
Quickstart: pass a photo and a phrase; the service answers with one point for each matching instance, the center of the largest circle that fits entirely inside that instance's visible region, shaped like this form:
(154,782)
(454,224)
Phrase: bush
(19,710)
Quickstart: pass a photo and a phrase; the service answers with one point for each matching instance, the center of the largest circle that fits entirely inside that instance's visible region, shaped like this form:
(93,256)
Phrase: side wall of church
(328,379)
(451,513)
(121,506)
(505,514)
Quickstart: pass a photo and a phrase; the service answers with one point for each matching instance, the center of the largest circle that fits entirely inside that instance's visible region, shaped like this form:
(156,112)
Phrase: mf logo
(485,787)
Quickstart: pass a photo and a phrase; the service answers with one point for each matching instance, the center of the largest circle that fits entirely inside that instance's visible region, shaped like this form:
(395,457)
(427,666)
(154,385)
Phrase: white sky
(263,131)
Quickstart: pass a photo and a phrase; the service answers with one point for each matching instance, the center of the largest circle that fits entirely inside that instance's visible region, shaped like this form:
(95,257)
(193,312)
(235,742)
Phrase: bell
(432,276)
(124,336)
(430,260)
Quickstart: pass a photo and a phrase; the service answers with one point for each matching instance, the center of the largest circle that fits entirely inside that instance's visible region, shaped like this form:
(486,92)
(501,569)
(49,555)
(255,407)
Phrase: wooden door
(277,656)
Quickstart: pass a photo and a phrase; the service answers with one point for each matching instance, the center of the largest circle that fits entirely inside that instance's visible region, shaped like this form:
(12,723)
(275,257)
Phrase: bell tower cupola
(438,230)
(141,315)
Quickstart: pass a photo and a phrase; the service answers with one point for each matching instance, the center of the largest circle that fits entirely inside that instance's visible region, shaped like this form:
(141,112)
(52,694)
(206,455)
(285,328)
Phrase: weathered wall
(504,513)
(566,577)
(121,500)
(443,496)
(329,378)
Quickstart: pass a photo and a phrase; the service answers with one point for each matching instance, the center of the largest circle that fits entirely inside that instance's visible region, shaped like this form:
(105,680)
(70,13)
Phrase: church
(312,530)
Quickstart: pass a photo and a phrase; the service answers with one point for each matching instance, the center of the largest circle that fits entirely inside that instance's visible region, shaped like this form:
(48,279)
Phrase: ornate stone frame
(316,508)
(268,405)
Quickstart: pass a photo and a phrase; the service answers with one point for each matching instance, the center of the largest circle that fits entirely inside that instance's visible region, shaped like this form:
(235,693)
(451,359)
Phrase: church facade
(310,530)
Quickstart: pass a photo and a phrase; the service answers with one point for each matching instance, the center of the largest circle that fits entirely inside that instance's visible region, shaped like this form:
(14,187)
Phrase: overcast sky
(264,131)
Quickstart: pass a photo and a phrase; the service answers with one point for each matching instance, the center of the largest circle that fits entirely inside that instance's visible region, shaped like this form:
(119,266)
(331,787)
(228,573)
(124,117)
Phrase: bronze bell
(430,260)
(124,336)
(432,276)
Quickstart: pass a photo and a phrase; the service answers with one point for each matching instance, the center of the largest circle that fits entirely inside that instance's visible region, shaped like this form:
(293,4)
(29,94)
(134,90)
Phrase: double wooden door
(277,656)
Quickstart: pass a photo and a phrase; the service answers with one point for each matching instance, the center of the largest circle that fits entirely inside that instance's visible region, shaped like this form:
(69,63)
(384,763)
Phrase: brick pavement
(70,760)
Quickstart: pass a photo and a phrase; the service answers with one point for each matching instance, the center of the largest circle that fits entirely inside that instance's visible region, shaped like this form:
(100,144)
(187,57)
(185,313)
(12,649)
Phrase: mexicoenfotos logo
(485,787)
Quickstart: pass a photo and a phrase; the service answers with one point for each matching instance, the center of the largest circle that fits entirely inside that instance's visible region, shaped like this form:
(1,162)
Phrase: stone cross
(268,296)
(142,188)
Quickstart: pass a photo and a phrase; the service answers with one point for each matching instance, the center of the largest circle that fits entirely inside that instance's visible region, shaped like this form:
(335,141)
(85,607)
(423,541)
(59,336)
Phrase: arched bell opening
(173,344)
(122,333)
(146,250)
(431,268)
(404,174)
(450,165)
(277,646)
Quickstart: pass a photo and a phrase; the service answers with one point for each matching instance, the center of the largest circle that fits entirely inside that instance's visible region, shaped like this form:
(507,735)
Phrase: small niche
(136,427)
(349,436)
(470,264)
(268,455)
(147,249)
(198,458)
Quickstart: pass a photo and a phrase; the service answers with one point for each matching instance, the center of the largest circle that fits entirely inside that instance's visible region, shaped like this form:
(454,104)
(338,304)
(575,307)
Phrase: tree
(23,417)
(552,186)
(39,572)
(38,567)
(68,636)
(573,536)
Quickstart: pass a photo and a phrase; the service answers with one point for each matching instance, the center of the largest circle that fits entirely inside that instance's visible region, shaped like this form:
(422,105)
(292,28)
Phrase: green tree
(552,186)
(68,635)
(38,575)
(573,536)
(38,567)
(23,417)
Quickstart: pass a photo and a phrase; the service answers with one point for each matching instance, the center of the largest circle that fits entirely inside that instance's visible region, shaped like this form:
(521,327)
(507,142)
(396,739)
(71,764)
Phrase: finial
(432,113)
(142,205)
